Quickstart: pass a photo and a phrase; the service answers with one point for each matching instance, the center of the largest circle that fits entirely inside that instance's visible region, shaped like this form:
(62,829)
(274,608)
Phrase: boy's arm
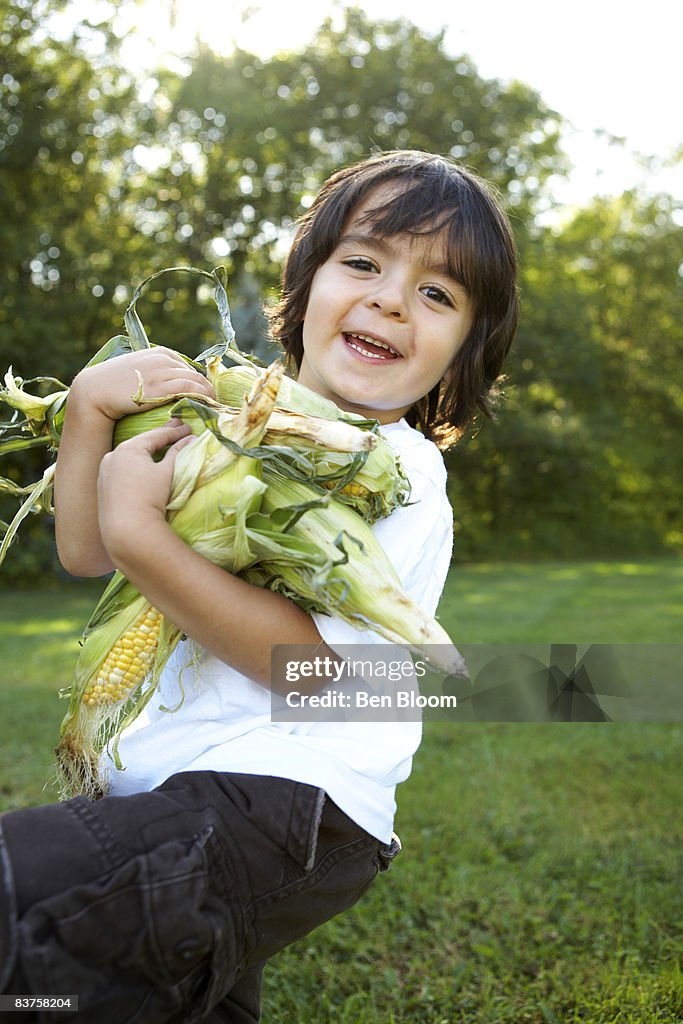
(85,440)
(97,398)
(234,620)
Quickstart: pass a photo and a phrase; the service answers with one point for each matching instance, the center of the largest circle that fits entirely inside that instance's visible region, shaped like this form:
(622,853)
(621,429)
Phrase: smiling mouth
(372,348)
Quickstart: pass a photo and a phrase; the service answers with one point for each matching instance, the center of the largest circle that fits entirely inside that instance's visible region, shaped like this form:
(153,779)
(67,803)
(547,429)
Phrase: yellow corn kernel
(353,489)
(127,663)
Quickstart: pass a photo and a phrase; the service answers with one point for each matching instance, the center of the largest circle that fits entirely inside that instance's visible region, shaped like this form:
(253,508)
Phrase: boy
(228,835)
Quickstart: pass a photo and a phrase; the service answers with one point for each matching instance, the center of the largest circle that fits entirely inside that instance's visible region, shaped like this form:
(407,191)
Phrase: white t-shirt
(222,720)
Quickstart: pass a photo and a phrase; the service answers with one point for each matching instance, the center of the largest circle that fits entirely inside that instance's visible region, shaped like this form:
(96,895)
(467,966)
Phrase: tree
(586,456)
(66,232)
(265,134)
(65,128)
(106,180)
(107,183)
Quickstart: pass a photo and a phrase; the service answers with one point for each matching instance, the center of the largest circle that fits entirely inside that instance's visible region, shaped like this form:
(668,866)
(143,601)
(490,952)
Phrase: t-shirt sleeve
(417,538)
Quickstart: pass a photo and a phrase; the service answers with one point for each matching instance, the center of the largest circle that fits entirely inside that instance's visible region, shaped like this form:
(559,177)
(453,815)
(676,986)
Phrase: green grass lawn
(572,602)
(541,876)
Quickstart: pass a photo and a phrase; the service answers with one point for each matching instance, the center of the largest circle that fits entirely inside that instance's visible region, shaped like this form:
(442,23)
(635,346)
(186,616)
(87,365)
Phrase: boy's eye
(360,263)
(437,295)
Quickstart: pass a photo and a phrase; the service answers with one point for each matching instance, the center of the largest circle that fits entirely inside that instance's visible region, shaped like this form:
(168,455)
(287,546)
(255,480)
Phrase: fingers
(166,357)
(165,372)
(177,446)
(151,441)
(192,382)
(136,382)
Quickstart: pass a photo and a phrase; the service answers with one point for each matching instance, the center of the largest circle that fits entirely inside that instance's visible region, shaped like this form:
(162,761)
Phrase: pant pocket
(277,816)
(304,825)
(139,945)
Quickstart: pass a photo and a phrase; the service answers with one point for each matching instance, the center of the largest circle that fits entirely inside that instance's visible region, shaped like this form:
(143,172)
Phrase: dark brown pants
(164,906)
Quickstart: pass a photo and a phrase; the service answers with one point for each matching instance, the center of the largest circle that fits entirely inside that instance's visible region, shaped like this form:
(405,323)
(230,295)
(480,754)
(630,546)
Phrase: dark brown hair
(435,195)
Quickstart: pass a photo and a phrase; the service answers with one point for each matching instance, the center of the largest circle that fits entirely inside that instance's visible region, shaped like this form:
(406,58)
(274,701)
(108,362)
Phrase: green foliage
(64,135)
(586,456)
(107,179)
(265,134)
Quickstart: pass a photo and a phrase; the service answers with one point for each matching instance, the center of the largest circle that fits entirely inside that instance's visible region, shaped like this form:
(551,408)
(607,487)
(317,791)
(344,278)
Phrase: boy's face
(383,321)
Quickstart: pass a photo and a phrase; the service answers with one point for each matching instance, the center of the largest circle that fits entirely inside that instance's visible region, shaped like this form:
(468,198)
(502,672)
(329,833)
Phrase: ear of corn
(283,427)
(318,432)
(231,383)
(377,487)
(374,489)
(35,409)
(98,708)
(128,662)
(356,581)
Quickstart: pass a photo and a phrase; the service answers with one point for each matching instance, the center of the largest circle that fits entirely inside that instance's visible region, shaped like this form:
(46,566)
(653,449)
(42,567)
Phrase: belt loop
(386,853)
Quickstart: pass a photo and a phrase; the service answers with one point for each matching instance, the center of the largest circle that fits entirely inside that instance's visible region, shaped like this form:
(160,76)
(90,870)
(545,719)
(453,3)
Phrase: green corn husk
(283,427)
(42,417)
(231,383)
(374,490)
(348,575)
(40,413)
(37,420)
(39,499)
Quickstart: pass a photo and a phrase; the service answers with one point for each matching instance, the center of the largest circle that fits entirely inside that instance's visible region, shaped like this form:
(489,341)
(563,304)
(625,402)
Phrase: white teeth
(371,341)
(364,352)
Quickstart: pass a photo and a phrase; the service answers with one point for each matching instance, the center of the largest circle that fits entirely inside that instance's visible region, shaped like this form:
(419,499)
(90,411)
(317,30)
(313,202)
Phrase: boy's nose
(390,301)
(388,310)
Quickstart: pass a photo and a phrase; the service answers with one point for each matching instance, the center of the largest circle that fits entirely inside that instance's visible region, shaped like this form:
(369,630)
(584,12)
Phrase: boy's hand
(109,387)
(133,489)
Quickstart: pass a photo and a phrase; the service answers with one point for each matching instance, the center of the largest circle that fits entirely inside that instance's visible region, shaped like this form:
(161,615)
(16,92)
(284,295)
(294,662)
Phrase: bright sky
(605,65)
